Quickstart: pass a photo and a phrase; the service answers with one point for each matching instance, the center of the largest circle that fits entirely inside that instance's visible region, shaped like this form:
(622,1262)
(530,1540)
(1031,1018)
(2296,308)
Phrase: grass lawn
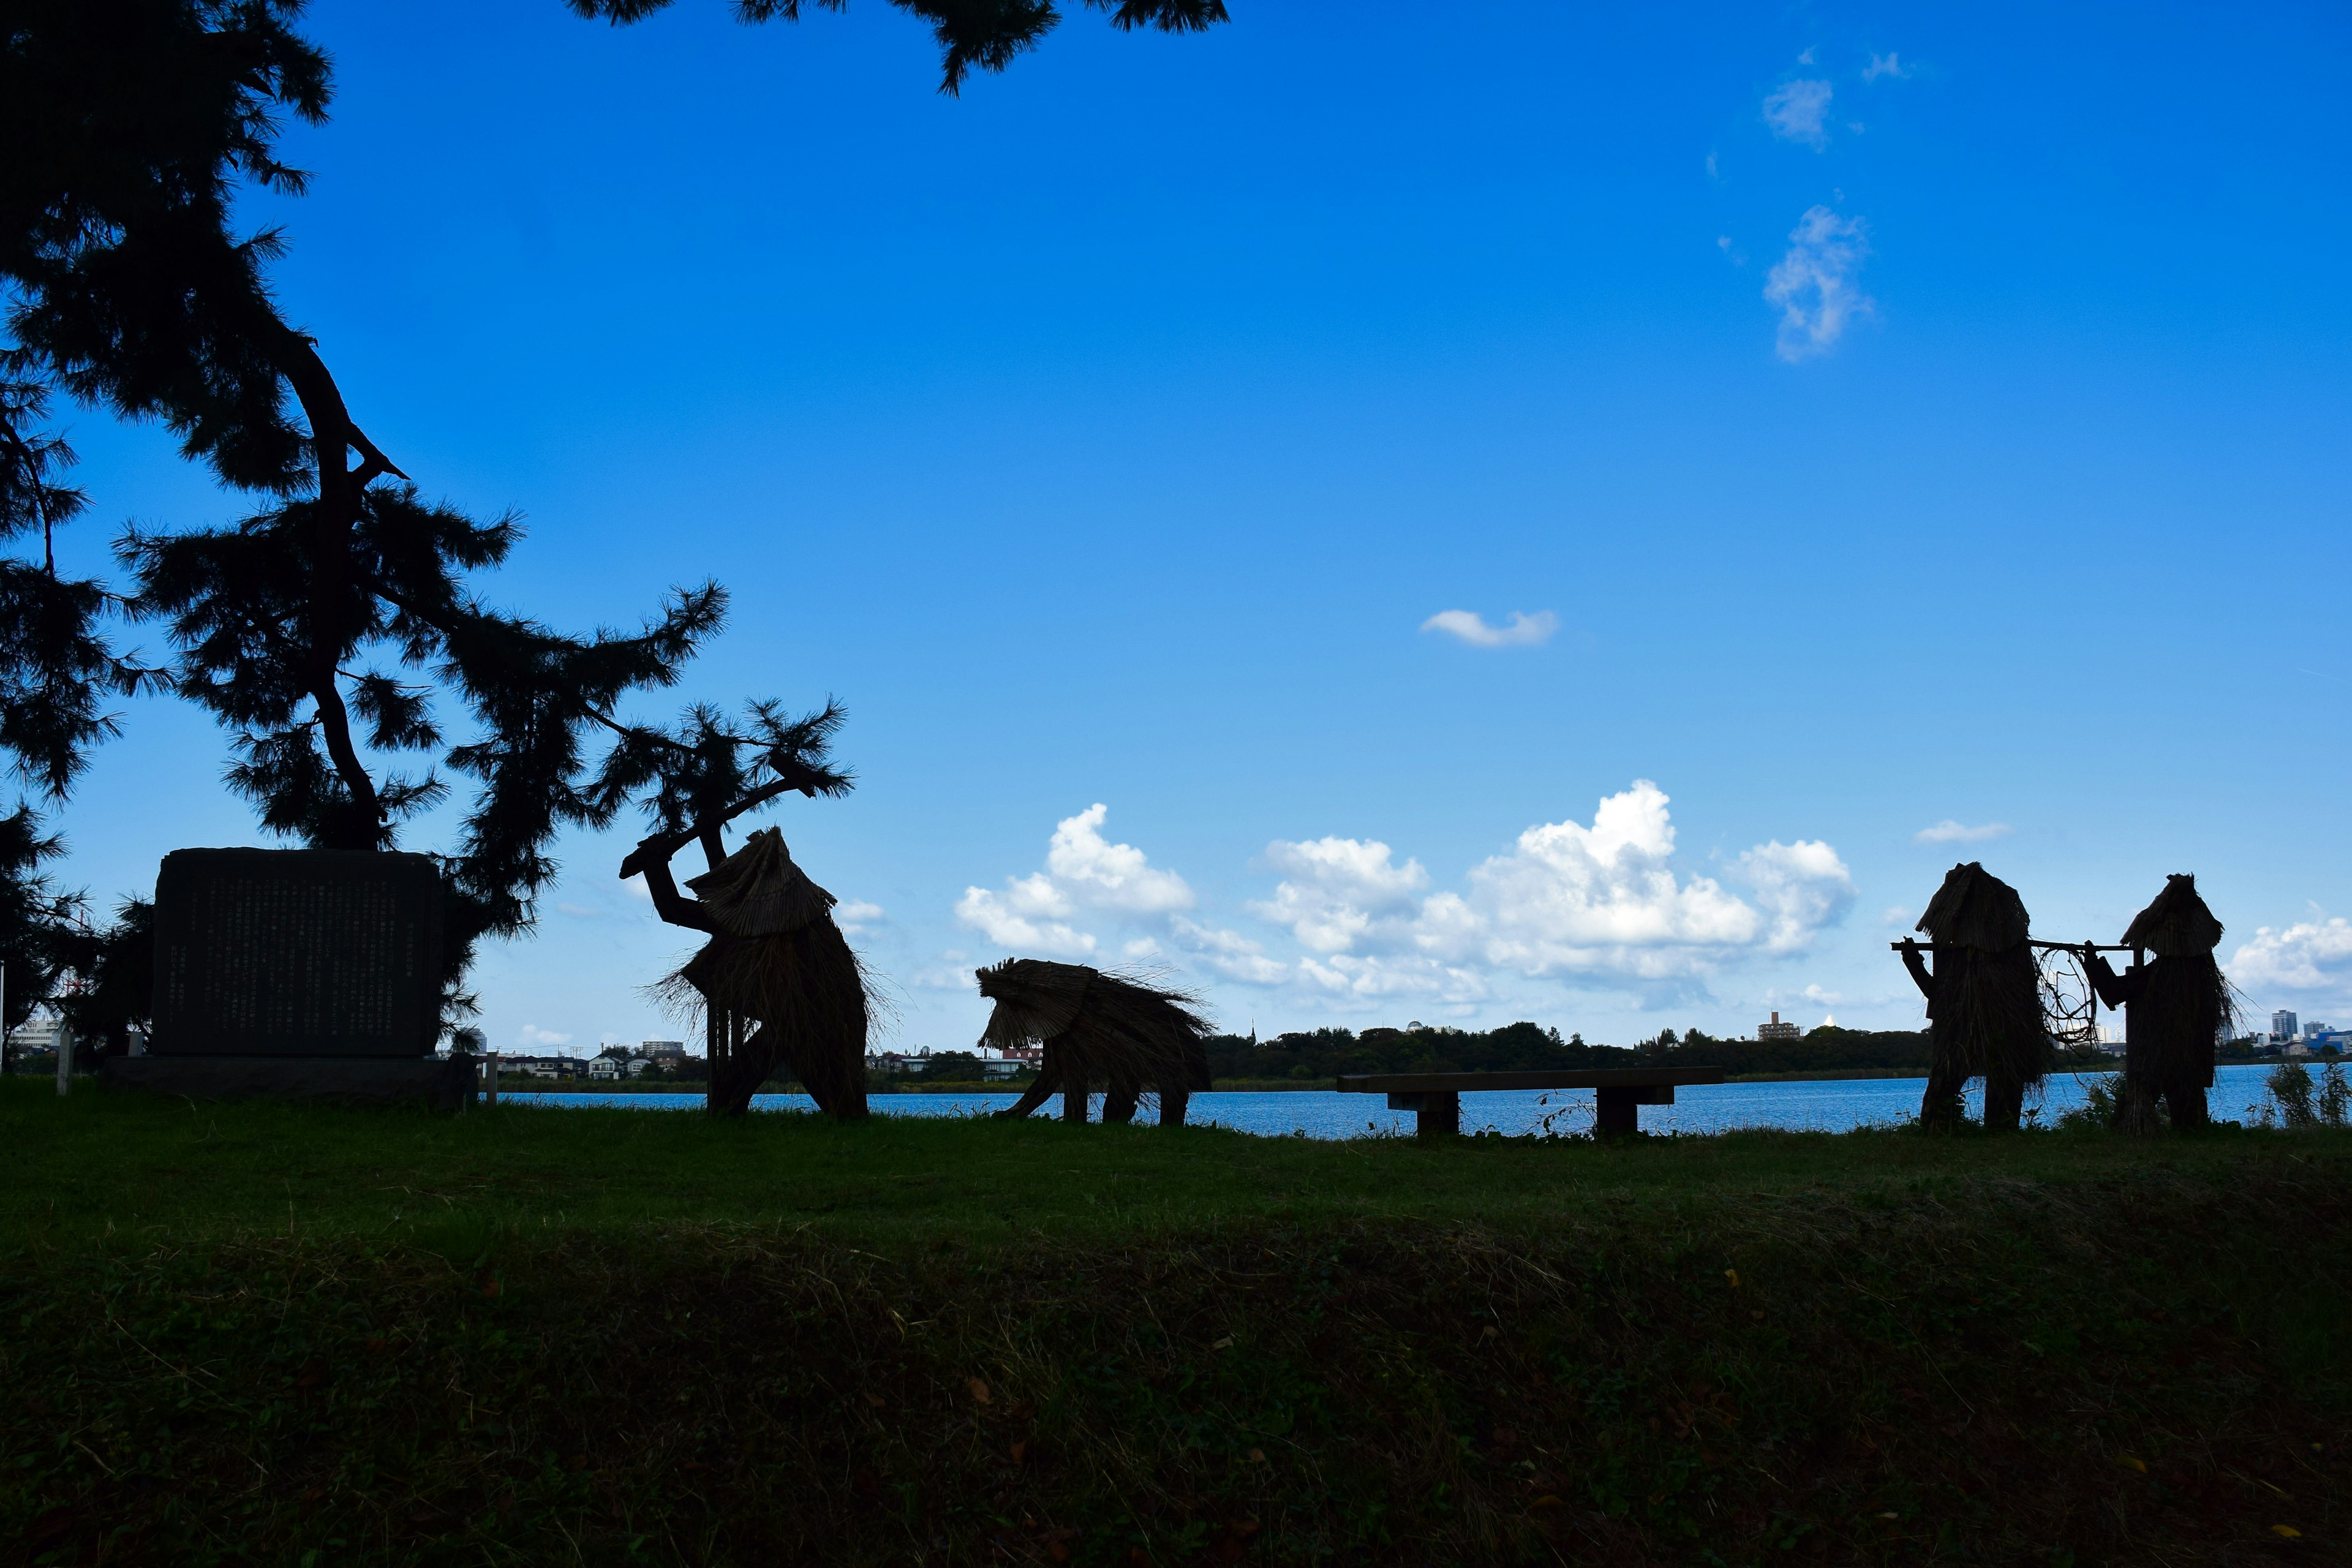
(278,1334)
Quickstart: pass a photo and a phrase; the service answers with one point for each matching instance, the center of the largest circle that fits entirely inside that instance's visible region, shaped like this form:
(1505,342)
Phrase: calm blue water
(1838,1107)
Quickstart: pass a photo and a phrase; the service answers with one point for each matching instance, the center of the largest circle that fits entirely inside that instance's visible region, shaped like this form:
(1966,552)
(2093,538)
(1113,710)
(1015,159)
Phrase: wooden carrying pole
(2037,942)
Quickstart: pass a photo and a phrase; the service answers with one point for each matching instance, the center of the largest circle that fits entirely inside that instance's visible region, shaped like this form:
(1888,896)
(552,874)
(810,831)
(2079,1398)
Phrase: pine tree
(340,633)
(988,35)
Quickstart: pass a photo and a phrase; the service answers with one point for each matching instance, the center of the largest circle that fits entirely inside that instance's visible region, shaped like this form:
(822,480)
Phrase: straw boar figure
(2177,1008)
(1095,1028)
(1984,999)
(777,981)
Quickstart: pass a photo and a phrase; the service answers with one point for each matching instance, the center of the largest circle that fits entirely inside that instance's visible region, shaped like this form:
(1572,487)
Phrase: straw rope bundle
(1119,1031)
(777,982)
(1984,999)
(2177,1006)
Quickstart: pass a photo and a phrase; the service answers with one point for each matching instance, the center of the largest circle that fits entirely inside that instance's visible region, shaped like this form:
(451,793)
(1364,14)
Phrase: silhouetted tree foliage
(1529,1048)
(113,969)
(986,34)
(32,913)
(340,633)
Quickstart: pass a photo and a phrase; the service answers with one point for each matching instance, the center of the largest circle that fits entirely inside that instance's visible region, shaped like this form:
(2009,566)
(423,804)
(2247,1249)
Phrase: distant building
(664,1053)
(605,1067)
(1776,1030)
(544,1067)
(36,1034)
(2282,1025)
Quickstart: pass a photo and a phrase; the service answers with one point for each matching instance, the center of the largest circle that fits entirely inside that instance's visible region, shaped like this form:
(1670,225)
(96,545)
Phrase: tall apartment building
(2282,1025)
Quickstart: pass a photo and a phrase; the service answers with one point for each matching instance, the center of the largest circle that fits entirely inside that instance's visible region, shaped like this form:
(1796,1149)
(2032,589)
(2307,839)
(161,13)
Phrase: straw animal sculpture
(1984,999)
(1096,1028)
(777,982)
(2177,1008)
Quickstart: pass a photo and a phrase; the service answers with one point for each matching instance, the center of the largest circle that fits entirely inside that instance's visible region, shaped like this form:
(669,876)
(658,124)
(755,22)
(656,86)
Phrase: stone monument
(297,973)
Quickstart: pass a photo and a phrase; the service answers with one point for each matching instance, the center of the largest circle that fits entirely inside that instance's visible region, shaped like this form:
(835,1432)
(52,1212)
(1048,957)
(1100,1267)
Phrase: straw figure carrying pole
(1984,999)
(1097,1028)
(2177,1007)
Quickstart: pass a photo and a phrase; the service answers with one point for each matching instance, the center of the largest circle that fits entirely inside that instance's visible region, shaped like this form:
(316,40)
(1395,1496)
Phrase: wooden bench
(1435,1098)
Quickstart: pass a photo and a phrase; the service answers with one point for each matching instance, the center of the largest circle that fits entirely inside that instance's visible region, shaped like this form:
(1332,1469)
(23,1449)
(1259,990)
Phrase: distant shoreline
(1222,1086)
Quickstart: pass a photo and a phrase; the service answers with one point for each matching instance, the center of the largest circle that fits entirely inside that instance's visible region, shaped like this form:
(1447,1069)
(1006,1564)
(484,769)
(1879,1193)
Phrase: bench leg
(1440,1116)
(1618,1112)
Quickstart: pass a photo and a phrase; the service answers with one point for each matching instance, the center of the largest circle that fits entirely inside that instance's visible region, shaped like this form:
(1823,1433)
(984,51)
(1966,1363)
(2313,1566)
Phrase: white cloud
(952,975)
(1084,873)
(532,1035)
(1713,173)
(855,915)
(1895,915)
(579,912)
(1814,284)
(1950,832)
(1568,901)
(1520,631)
(1803,887)
(1023,917)
(1106,876)
(1797,111)
(2312,955)
(1230,953)
(1601,904)
(1351,977)
(1888,64)
(1333,888)
(1605,901)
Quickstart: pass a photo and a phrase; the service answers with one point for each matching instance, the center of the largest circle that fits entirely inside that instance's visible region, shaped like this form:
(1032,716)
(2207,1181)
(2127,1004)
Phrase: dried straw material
(2178,1007)
(2176,924)
(1984,999)
(777,983)
(1975,908)
(759,891)
(1120,1031)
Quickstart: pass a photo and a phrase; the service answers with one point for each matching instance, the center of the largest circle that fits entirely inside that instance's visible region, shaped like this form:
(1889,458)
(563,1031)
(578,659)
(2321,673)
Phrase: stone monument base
(368,1080)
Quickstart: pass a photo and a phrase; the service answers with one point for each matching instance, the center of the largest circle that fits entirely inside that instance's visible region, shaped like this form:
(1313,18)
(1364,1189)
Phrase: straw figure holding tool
(1127,1035)
(1984,999)
(777,981)
(2177,1007)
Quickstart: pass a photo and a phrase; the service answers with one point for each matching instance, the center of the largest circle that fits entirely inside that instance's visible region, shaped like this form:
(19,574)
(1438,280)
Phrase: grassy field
(273,1334)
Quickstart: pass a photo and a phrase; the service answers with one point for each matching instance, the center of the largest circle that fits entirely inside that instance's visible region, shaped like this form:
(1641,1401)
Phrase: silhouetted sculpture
(1097,1028)
(778,981)
(1984,999)
(2175,1009)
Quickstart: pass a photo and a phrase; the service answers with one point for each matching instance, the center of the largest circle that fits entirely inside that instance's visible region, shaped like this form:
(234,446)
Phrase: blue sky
(1906,438)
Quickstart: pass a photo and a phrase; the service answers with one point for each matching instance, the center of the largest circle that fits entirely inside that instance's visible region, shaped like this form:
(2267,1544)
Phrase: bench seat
(1435,1098)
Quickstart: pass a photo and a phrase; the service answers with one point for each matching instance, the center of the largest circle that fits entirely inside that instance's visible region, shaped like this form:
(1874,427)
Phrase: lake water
(1832,1107)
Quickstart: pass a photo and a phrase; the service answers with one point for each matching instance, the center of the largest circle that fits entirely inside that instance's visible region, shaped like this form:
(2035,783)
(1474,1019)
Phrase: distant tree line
(1530,1047)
